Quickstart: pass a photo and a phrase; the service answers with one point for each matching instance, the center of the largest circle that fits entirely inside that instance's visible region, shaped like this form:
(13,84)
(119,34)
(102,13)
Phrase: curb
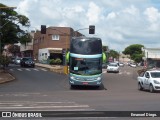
(9,80)
(56,70)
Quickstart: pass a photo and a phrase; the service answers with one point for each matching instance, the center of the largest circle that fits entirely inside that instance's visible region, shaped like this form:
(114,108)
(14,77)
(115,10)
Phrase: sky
(119,23)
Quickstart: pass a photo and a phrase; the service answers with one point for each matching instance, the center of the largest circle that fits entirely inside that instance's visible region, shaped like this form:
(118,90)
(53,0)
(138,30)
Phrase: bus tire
(72,87)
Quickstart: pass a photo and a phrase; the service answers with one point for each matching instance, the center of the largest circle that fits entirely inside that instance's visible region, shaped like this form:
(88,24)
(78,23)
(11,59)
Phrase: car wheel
(151,89)
(140,86)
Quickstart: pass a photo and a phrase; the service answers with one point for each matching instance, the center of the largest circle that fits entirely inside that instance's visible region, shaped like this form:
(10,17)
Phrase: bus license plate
(85,83)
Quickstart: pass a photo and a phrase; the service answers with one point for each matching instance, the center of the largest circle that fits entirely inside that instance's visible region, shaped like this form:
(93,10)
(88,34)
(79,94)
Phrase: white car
(113,67)
(133,65)
(149,80)
(121,64)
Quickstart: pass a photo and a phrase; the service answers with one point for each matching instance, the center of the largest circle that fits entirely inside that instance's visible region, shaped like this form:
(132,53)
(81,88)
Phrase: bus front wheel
(72,87)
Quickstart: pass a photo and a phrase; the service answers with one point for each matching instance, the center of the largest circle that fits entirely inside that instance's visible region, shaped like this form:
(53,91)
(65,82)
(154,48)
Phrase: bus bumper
(93,81)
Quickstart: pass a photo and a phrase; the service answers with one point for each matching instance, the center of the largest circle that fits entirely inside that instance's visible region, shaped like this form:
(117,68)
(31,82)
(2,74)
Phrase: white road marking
(21,107)
(36,69)
(104,71)
(11,69)
(128,73)
(42,105)
(43,69)
(28,69)
(19,69)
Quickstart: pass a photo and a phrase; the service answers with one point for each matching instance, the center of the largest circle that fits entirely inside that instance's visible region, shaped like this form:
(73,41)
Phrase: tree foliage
(104,48)
(134,51)
(4,60)
(14,49)
(113,54)
(11,23)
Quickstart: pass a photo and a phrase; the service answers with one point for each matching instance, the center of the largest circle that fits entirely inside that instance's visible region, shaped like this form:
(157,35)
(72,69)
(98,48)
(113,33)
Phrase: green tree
(134,51)
(14,49)
(11,22)
(4,60)
(104,48)
(113,54)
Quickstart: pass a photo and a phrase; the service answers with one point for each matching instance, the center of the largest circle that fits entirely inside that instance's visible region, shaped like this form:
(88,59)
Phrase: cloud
(93,13)
(152,14)
(23,7)
(118,23)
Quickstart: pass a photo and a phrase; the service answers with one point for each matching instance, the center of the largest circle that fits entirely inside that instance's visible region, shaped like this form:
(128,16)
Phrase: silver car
(17,61)
(113,67)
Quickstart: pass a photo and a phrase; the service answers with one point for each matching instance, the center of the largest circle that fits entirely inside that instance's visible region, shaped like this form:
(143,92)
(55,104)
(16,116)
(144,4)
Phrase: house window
(55,37)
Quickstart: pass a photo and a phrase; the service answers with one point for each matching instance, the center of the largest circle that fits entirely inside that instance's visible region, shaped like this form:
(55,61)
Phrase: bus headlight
(71,77)
(98,78)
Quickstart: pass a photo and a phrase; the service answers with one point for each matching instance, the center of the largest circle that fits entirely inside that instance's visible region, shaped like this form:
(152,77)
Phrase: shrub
(4,60)
(52,61)
(58,61)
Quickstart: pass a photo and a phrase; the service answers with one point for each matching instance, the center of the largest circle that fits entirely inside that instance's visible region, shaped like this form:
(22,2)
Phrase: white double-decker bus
(85,61)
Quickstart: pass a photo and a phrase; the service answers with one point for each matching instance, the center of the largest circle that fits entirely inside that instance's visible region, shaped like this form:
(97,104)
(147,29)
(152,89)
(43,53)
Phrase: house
(151,57)
(53,44)
(27,49)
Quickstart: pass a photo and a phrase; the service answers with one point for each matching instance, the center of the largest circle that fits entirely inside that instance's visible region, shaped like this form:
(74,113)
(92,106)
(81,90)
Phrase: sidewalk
(5,77)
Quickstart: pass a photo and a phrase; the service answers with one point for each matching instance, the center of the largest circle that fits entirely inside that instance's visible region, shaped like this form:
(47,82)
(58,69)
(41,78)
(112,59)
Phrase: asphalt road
(41,90)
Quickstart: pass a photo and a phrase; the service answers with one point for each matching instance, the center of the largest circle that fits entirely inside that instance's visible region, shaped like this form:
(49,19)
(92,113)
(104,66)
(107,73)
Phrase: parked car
(149,80)
(113,67)
(121,64)
(27,61)
(133,65)
(12,60)
(17,61)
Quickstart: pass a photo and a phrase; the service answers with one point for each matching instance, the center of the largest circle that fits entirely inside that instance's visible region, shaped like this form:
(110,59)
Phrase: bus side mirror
(67,57)
(104,58)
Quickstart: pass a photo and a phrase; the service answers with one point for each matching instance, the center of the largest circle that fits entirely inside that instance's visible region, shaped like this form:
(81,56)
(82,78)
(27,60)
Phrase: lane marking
(43,69)
(36,69)
(11,69)
(31,102)
(27,69)
(19,69)
(19,107)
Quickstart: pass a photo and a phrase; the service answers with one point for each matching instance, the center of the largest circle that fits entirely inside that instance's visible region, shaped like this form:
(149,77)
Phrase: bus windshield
(86,66)
(86,46)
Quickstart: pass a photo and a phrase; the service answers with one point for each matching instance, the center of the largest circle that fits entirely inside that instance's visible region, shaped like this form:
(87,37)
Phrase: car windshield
(27,59)
(155,74)
(113,65)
